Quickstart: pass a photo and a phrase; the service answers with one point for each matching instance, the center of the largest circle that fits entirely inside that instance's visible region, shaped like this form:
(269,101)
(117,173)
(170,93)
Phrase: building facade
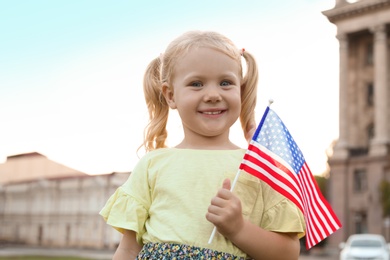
(361,155)
(43,203)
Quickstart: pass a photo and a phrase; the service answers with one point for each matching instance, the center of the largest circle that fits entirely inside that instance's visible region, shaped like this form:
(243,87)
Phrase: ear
(168,95)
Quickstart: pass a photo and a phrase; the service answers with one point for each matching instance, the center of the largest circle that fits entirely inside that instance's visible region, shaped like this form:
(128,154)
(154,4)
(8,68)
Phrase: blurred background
(72,111)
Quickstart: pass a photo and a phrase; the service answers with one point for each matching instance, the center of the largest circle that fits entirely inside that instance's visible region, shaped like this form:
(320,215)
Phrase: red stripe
(329,213)
(272,184)
(280,178)
(319,225)
(293,186)
(312,228)
(324,207)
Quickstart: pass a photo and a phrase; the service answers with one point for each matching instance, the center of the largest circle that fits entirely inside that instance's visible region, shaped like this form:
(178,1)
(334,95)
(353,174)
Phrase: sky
(71,73)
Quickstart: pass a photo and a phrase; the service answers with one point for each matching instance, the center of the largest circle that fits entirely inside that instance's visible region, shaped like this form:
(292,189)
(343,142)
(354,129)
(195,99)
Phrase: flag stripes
(259,164)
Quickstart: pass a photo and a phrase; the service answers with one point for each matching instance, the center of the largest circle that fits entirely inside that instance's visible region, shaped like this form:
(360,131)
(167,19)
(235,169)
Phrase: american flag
(274,157)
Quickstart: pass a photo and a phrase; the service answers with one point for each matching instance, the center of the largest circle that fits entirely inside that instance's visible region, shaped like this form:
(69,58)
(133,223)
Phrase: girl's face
(206,92)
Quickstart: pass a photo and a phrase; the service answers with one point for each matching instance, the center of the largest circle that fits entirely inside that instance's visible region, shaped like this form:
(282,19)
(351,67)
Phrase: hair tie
(242,51)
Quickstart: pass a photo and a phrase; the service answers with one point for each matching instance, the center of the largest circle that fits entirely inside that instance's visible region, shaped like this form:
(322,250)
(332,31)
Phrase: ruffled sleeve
(128,207)
(124,212)
(284,217)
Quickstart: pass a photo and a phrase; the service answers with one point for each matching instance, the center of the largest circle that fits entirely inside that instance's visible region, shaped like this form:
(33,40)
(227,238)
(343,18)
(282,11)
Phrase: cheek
(236,99)
(183,101)
(235,103)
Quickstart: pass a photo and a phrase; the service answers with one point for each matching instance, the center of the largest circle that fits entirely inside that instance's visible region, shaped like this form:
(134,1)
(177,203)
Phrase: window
(370,131)
(369,58)
(360,219)
(359,180)
(370,94)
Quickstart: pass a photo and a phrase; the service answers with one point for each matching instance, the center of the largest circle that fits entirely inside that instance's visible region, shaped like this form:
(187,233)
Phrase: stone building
(361,156)
(44,203)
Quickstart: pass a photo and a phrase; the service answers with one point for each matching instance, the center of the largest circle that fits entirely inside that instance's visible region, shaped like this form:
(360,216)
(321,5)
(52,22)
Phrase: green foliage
(322,182)
(384,189)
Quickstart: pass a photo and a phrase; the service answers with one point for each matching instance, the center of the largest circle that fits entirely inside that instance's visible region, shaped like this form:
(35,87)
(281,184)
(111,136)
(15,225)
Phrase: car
(365,247)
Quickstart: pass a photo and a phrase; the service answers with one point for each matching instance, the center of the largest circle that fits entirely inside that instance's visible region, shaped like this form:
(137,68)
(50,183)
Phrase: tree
(322,183)
(384,190)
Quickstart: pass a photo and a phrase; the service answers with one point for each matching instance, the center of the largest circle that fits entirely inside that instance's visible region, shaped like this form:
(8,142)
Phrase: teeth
(212,113)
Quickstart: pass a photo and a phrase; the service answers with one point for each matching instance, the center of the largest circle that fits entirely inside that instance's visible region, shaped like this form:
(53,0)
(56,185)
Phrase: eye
(196,84)
(225,83)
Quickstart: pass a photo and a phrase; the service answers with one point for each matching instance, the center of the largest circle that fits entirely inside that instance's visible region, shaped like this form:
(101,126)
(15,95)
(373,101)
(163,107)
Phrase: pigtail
(155,132)
(248,96)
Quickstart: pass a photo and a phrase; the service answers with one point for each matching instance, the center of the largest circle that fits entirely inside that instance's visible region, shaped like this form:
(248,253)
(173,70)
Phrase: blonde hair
(161,69)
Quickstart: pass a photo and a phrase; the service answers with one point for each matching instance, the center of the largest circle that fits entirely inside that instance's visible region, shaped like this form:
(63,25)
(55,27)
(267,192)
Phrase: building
(44,203)
(361,156)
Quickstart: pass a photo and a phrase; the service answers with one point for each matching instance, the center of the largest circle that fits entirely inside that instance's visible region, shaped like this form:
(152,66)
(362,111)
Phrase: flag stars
(275,137)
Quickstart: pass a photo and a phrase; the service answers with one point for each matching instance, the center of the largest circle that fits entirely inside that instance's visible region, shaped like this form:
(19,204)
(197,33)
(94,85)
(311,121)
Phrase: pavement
(40,251)
(328,254)
(96,254)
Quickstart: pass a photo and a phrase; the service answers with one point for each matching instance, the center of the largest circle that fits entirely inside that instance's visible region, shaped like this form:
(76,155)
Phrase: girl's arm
(128,247)
(263,244)
(226,214)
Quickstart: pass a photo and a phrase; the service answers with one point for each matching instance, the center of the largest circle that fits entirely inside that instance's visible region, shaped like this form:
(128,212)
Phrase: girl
(171,202)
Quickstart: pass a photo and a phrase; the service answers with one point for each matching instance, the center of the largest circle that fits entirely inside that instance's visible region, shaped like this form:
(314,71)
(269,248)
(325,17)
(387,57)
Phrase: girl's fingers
(226,184)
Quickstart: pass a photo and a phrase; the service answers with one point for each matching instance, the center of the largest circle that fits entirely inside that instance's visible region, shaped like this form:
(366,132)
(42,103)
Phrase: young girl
(175,196)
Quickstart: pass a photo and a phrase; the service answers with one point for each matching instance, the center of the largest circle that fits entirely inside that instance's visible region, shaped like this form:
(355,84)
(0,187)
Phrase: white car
(365,247)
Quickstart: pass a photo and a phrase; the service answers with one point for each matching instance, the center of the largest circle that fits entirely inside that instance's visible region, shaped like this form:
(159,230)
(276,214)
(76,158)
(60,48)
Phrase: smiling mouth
(212,113)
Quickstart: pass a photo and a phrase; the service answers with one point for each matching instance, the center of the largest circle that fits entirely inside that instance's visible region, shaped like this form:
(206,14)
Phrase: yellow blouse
(167,195)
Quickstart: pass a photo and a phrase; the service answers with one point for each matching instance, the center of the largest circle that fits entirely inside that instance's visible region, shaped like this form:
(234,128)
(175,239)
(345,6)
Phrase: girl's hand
(226,214)
(225,211)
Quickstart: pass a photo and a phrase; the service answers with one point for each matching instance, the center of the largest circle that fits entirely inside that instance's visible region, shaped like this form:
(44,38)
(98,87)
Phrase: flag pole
(270,101)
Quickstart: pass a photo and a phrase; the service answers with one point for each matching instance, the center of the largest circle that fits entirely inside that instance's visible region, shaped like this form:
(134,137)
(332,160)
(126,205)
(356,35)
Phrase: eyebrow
(224,75)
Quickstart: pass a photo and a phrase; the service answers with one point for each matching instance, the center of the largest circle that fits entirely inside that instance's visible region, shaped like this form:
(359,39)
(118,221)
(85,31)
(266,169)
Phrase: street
(107,254)
(315,254)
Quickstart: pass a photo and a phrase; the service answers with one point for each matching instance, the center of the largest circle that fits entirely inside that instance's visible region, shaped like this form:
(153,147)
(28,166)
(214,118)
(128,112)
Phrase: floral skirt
(167,251)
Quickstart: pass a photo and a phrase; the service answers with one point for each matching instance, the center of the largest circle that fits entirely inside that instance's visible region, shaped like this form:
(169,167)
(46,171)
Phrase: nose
(212,94)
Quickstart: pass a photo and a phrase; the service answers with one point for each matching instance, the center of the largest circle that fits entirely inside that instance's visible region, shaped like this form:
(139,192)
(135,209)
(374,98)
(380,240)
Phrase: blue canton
(275,137)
